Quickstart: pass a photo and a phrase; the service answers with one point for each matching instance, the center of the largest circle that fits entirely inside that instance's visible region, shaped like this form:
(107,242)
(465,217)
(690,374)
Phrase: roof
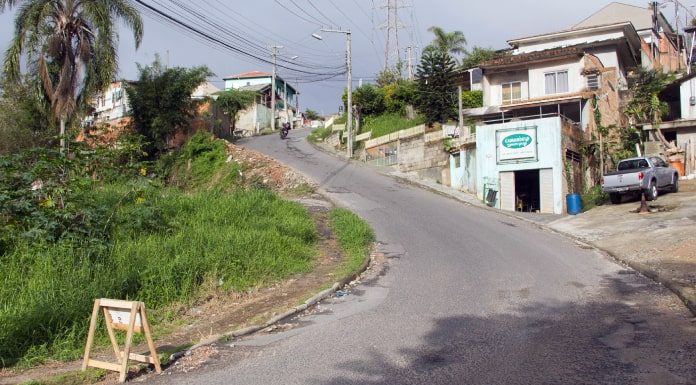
(534,57)
(255,87)
(616,12)
(249,75)
(625,25)
(204,90)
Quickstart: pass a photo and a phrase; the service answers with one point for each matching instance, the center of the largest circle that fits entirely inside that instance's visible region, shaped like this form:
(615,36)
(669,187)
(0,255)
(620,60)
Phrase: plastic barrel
(574,204)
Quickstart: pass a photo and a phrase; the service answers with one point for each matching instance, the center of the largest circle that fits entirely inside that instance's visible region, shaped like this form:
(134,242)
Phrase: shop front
(519,165)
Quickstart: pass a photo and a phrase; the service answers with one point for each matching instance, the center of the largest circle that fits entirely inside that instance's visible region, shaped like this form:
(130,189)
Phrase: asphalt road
(470,297)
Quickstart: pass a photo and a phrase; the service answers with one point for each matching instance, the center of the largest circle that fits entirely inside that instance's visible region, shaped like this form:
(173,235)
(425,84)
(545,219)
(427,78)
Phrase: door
(507,191)
(546,191)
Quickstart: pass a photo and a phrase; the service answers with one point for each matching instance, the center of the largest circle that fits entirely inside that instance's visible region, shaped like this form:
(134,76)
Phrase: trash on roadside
(342,293)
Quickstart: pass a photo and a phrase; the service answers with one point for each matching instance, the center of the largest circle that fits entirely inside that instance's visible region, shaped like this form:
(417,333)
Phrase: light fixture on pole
(349,70)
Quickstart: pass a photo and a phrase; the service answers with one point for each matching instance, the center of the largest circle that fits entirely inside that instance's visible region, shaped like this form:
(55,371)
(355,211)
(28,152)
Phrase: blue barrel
(574,204)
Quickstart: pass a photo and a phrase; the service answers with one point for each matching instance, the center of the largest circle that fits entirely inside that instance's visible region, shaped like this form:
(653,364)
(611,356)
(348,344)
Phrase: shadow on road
(594,343)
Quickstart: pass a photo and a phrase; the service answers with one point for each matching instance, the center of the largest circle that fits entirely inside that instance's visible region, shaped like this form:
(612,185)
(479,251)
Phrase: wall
(492,90)
(537,81)
(280,87)
(464,177)
(549,154)
(688,89)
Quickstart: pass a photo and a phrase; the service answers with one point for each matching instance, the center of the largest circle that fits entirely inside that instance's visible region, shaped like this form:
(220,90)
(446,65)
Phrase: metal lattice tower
(392,53)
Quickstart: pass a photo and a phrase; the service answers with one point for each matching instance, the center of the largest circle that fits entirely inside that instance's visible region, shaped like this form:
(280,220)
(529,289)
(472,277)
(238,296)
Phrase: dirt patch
(221,312)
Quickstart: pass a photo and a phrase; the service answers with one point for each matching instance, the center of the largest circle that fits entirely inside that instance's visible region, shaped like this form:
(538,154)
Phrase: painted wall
(492,89)
(537,81)
(464,176)
(112,103)
(549,155)
(688,89)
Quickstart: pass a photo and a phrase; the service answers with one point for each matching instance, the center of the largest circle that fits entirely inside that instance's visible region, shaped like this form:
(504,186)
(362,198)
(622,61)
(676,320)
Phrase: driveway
(468,297)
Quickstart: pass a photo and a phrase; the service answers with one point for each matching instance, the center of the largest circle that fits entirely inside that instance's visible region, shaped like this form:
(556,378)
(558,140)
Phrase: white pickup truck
(636,175)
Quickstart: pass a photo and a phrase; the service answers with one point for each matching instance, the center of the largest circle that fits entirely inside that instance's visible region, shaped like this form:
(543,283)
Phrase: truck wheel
(651,194)
(615,198)
(675,184)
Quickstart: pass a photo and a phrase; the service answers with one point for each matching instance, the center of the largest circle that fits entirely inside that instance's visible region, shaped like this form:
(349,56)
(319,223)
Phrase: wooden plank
(148,337)
(118,304)
(142,358)
(90,334)
(129,341)
(122,327)
(109,328)
(104,365)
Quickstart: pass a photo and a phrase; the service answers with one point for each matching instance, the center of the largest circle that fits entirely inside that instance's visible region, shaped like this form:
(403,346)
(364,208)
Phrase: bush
(593,197)
(320,134)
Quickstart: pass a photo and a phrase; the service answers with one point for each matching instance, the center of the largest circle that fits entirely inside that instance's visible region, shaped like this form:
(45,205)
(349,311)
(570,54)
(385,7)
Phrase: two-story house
(110,106)
(258,117)
(541,103)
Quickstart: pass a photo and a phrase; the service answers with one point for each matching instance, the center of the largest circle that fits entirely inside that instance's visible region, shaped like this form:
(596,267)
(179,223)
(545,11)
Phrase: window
(593,81)
(512,92)
(457,160)
(556,82)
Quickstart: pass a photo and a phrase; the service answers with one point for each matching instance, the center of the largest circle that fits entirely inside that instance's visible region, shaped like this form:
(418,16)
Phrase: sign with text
(519,144)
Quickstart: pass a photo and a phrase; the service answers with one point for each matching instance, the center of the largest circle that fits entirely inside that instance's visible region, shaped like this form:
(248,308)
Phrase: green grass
(232,241)
(89,376)
(388,123)
(354,236)
(320,134)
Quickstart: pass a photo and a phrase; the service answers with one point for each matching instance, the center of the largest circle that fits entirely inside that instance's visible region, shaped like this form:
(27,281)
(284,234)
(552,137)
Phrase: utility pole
(297,102)
(349,69)
(285,100)
(409,53)
(274,53)
(461,110)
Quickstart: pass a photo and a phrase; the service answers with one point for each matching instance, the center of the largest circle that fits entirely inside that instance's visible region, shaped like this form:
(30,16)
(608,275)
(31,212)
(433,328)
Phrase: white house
(539,108)
(110,106)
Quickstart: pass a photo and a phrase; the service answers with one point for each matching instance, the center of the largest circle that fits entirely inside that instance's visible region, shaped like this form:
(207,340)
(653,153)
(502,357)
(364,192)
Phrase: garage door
(507,191)
(546,190)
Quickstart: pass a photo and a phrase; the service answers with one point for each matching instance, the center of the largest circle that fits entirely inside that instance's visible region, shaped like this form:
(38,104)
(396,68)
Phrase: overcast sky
(484,23)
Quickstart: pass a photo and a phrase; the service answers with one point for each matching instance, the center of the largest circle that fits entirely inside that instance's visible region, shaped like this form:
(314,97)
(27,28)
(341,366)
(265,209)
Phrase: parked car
(636,175)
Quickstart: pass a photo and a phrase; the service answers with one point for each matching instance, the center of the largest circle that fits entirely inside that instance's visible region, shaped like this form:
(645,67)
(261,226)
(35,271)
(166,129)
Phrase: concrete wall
(537,81)
(687,90)
(549,154)
(464,177)
(492,89)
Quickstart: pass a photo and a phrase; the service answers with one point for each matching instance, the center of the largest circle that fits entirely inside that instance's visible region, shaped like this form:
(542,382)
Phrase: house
(110,106)
(679,126)
(543,103)
(665,45)
(259,116)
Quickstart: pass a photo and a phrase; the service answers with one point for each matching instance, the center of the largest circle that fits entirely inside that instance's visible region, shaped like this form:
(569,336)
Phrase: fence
(690,157)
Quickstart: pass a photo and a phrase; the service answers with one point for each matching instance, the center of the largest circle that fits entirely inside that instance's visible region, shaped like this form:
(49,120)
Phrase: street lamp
(349,68)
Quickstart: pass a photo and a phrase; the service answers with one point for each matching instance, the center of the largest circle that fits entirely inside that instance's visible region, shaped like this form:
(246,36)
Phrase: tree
(386,77)
(161,101)
(25,119)
(645,106)
(233,101)
(453,43)
(477,56)
(311,114)
(71,44)
(437,96)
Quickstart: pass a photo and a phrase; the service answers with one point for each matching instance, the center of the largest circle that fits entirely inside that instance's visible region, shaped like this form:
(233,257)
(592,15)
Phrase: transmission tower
(392,52)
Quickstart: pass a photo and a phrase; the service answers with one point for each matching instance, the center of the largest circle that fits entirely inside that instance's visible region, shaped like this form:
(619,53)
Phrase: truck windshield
(633,164)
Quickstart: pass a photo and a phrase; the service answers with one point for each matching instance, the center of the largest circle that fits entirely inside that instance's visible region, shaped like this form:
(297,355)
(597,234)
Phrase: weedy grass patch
(386,124)
(354,236)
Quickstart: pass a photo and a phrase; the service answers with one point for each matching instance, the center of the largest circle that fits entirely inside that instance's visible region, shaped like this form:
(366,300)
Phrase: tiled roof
(531,57)
(250,74)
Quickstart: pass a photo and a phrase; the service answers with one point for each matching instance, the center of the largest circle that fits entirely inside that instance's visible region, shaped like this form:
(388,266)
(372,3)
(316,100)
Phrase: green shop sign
(517,141)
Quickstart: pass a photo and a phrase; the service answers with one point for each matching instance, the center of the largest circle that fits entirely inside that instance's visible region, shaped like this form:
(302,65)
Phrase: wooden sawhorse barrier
(130,317)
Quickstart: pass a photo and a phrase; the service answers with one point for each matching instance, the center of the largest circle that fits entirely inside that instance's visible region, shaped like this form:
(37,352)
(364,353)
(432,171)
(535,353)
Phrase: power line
(321,13)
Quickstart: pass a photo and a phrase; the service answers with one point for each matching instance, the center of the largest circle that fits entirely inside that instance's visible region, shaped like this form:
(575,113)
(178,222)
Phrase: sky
(484,23)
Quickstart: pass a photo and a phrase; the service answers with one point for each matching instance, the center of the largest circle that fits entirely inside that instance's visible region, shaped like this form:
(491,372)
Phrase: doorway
(527,191)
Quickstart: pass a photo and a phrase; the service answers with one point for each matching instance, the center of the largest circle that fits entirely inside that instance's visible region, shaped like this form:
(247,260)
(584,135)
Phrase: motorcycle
(284,130)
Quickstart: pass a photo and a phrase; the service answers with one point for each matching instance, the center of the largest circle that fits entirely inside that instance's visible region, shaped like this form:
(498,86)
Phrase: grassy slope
(388,123)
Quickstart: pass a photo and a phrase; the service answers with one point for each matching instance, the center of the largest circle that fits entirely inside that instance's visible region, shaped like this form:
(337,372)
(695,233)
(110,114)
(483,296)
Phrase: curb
(688,300)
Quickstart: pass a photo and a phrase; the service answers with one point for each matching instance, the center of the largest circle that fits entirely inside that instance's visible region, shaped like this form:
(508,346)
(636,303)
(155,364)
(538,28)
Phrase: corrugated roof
(255,87)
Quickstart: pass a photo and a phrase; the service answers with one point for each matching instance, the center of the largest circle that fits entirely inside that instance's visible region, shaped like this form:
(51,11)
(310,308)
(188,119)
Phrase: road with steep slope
(469,297)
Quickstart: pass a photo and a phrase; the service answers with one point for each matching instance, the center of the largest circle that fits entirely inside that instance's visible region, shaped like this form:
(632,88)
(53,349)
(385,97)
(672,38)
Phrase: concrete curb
(688,299)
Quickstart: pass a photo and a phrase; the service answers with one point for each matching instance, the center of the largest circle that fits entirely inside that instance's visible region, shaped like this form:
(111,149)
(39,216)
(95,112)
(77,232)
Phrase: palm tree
(71,44)
(454,43)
